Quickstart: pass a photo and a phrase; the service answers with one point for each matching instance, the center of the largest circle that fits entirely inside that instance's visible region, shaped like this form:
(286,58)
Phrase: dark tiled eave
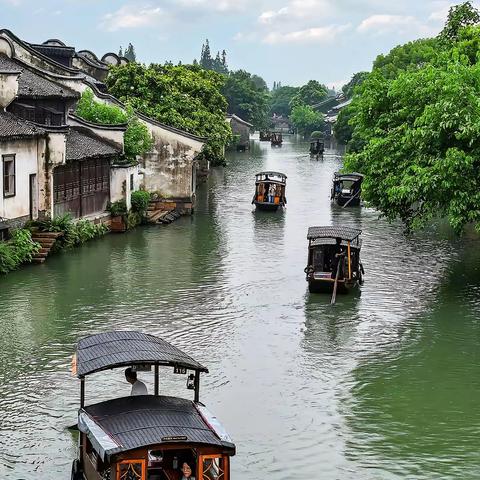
(12,127)
(83,144)
(32,84)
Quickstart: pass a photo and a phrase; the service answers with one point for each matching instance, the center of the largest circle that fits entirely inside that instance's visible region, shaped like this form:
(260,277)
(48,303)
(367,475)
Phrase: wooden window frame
(9,158)
(129,461)
(225,458)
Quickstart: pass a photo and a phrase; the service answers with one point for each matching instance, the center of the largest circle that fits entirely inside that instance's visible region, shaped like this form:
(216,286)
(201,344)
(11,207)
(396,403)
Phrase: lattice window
(132,470)
(213,468)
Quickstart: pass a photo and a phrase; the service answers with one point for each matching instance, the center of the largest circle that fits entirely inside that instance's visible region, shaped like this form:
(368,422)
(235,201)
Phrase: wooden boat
(276,139)
(317,147)
(146,437)
(274,182)
(333,257)
(265,136)
(347,189)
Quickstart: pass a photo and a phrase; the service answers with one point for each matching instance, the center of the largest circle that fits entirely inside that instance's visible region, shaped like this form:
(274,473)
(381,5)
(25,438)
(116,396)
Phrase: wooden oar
(356,195)
(335,285)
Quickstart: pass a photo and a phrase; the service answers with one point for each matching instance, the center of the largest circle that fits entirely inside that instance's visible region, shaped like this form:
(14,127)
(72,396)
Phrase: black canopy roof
(345,233)
(270,175)
(116,349)
(349,176)
(146,420)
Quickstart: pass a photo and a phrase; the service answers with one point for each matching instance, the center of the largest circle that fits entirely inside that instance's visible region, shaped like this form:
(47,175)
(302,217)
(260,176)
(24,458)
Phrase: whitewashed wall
(25,152)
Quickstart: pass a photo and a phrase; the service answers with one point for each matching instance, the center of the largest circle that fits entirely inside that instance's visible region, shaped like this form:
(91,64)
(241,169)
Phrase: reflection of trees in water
(413,409)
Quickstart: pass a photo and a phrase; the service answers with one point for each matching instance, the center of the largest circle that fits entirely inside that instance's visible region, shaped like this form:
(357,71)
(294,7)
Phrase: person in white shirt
(138,387)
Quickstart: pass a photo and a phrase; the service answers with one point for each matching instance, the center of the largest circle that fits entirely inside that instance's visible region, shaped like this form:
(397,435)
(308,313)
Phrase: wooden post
(82,392)
(349,262)
(197,386)
(156,380)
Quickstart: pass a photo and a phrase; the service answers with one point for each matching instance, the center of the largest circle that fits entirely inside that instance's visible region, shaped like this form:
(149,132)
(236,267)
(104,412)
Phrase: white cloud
(309,35)
(394,24)
(132,17)
(297,10)
(224,6)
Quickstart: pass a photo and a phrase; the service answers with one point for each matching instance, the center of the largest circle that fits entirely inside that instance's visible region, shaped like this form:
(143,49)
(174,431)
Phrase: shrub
(117,208)
(133,219)
(56,224)
(81,232)
(140,201)
(74,233)
(19,249)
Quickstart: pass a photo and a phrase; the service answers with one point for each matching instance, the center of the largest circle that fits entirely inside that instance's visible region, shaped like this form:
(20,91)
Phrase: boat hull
(342,200)
(268,207)
(326,286)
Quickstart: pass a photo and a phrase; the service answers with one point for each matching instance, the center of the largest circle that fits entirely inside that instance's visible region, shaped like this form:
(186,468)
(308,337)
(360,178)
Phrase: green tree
(184,96)
(422,144)
(306,120)
(137,139)
(206,60)
(245,98)
(459,17)
(259,82)
(356,80)
(130,54)
(310,94)
(280,99)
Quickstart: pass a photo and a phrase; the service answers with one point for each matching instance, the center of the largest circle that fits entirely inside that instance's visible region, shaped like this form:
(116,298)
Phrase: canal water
(383,385)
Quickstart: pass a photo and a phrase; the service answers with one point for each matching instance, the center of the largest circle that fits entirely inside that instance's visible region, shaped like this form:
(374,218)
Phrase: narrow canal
(384,385)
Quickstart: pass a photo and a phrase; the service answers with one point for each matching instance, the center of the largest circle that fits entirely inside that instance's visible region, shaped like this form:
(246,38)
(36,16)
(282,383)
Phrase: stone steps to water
(157,216)
(46,240)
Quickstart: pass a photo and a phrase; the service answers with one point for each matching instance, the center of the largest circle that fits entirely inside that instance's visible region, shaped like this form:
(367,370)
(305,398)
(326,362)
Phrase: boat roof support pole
(82,392)
(349,262)
(156,373)
(197,386)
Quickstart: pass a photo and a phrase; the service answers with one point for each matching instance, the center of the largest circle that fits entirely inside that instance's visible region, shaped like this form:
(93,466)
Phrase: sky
(291,41)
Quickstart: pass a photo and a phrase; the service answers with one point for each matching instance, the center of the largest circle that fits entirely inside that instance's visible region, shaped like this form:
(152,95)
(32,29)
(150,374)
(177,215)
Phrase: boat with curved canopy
(347,189)
(146,437)
(333,259)
(317,147)
(270,191)
(276,139)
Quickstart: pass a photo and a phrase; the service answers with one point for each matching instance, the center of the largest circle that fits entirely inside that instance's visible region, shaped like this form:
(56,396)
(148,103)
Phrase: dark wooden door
(81,188)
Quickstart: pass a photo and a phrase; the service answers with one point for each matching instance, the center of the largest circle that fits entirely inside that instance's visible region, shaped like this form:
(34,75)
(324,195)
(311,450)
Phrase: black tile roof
(121,348)
(345,233)
(12,127)
(147,420)
(82,144)
(33,85)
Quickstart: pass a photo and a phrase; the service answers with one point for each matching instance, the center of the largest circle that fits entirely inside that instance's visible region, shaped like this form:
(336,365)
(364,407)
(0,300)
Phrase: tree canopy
(137,139)
(309,94)
(355,81)
(280,99)
(459,17)
(247,97)
(184,96)
(416,127)
(306,120)
(217,64)
(129,53)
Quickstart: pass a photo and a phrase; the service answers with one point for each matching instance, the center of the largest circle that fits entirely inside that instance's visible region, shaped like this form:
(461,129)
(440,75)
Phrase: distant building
(241,131)
(281,124)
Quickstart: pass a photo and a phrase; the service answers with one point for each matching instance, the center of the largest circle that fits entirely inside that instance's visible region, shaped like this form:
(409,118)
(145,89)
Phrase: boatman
(339,254)
(138,387)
